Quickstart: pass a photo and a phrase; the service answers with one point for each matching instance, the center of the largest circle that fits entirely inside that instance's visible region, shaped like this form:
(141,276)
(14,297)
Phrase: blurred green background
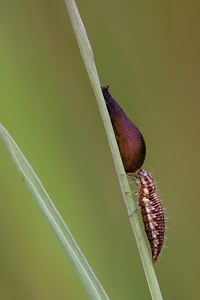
(149,53)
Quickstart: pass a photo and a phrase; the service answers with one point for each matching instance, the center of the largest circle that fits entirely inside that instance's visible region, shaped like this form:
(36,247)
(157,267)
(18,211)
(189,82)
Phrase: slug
(129,139)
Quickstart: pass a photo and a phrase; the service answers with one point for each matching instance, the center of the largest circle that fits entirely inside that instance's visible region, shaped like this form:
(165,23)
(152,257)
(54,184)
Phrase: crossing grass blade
(57,224)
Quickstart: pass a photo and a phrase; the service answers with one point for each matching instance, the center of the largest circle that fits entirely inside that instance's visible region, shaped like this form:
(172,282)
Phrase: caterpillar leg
(132,179)
(137,203)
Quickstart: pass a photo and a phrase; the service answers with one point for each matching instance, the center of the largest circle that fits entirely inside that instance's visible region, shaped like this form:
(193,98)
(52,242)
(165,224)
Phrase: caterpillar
(152,213)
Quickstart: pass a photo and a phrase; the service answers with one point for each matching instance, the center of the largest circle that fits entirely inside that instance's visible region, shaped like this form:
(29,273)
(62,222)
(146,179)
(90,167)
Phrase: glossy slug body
(130,141)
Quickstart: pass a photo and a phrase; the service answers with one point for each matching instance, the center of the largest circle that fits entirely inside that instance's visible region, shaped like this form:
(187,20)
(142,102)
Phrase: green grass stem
(88,58)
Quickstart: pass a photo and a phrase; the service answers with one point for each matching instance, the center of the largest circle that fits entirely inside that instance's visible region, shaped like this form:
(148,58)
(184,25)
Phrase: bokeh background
(149,53)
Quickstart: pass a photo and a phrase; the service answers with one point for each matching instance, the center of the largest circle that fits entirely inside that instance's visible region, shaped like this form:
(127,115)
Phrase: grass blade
(54,219)
(88,58)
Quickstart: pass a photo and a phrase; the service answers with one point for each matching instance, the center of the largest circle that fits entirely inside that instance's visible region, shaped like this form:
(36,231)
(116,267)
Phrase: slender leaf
(54,219)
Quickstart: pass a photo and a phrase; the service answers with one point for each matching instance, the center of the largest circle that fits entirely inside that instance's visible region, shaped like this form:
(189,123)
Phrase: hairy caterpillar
(152,213)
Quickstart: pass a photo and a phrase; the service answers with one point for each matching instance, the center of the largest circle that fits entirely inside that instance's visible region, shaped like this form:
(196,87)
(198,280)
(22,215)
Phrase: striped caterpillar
(152,213)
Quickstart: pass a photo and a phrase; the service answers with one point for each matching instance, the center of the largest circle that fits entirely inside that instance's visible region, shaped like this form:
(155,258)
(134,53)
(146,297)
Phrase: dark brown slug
(129,139)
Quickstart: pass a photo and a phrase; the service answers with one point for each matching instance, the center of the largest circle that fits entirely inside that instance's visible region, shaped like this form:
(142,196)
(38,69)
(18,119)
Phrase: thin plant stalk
(60,229)
(88,58)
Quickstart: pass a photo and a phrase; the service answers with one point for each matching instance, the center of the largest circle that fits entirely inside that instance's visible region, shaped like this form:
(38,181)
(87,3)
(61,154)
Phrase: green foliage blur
(149,53)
